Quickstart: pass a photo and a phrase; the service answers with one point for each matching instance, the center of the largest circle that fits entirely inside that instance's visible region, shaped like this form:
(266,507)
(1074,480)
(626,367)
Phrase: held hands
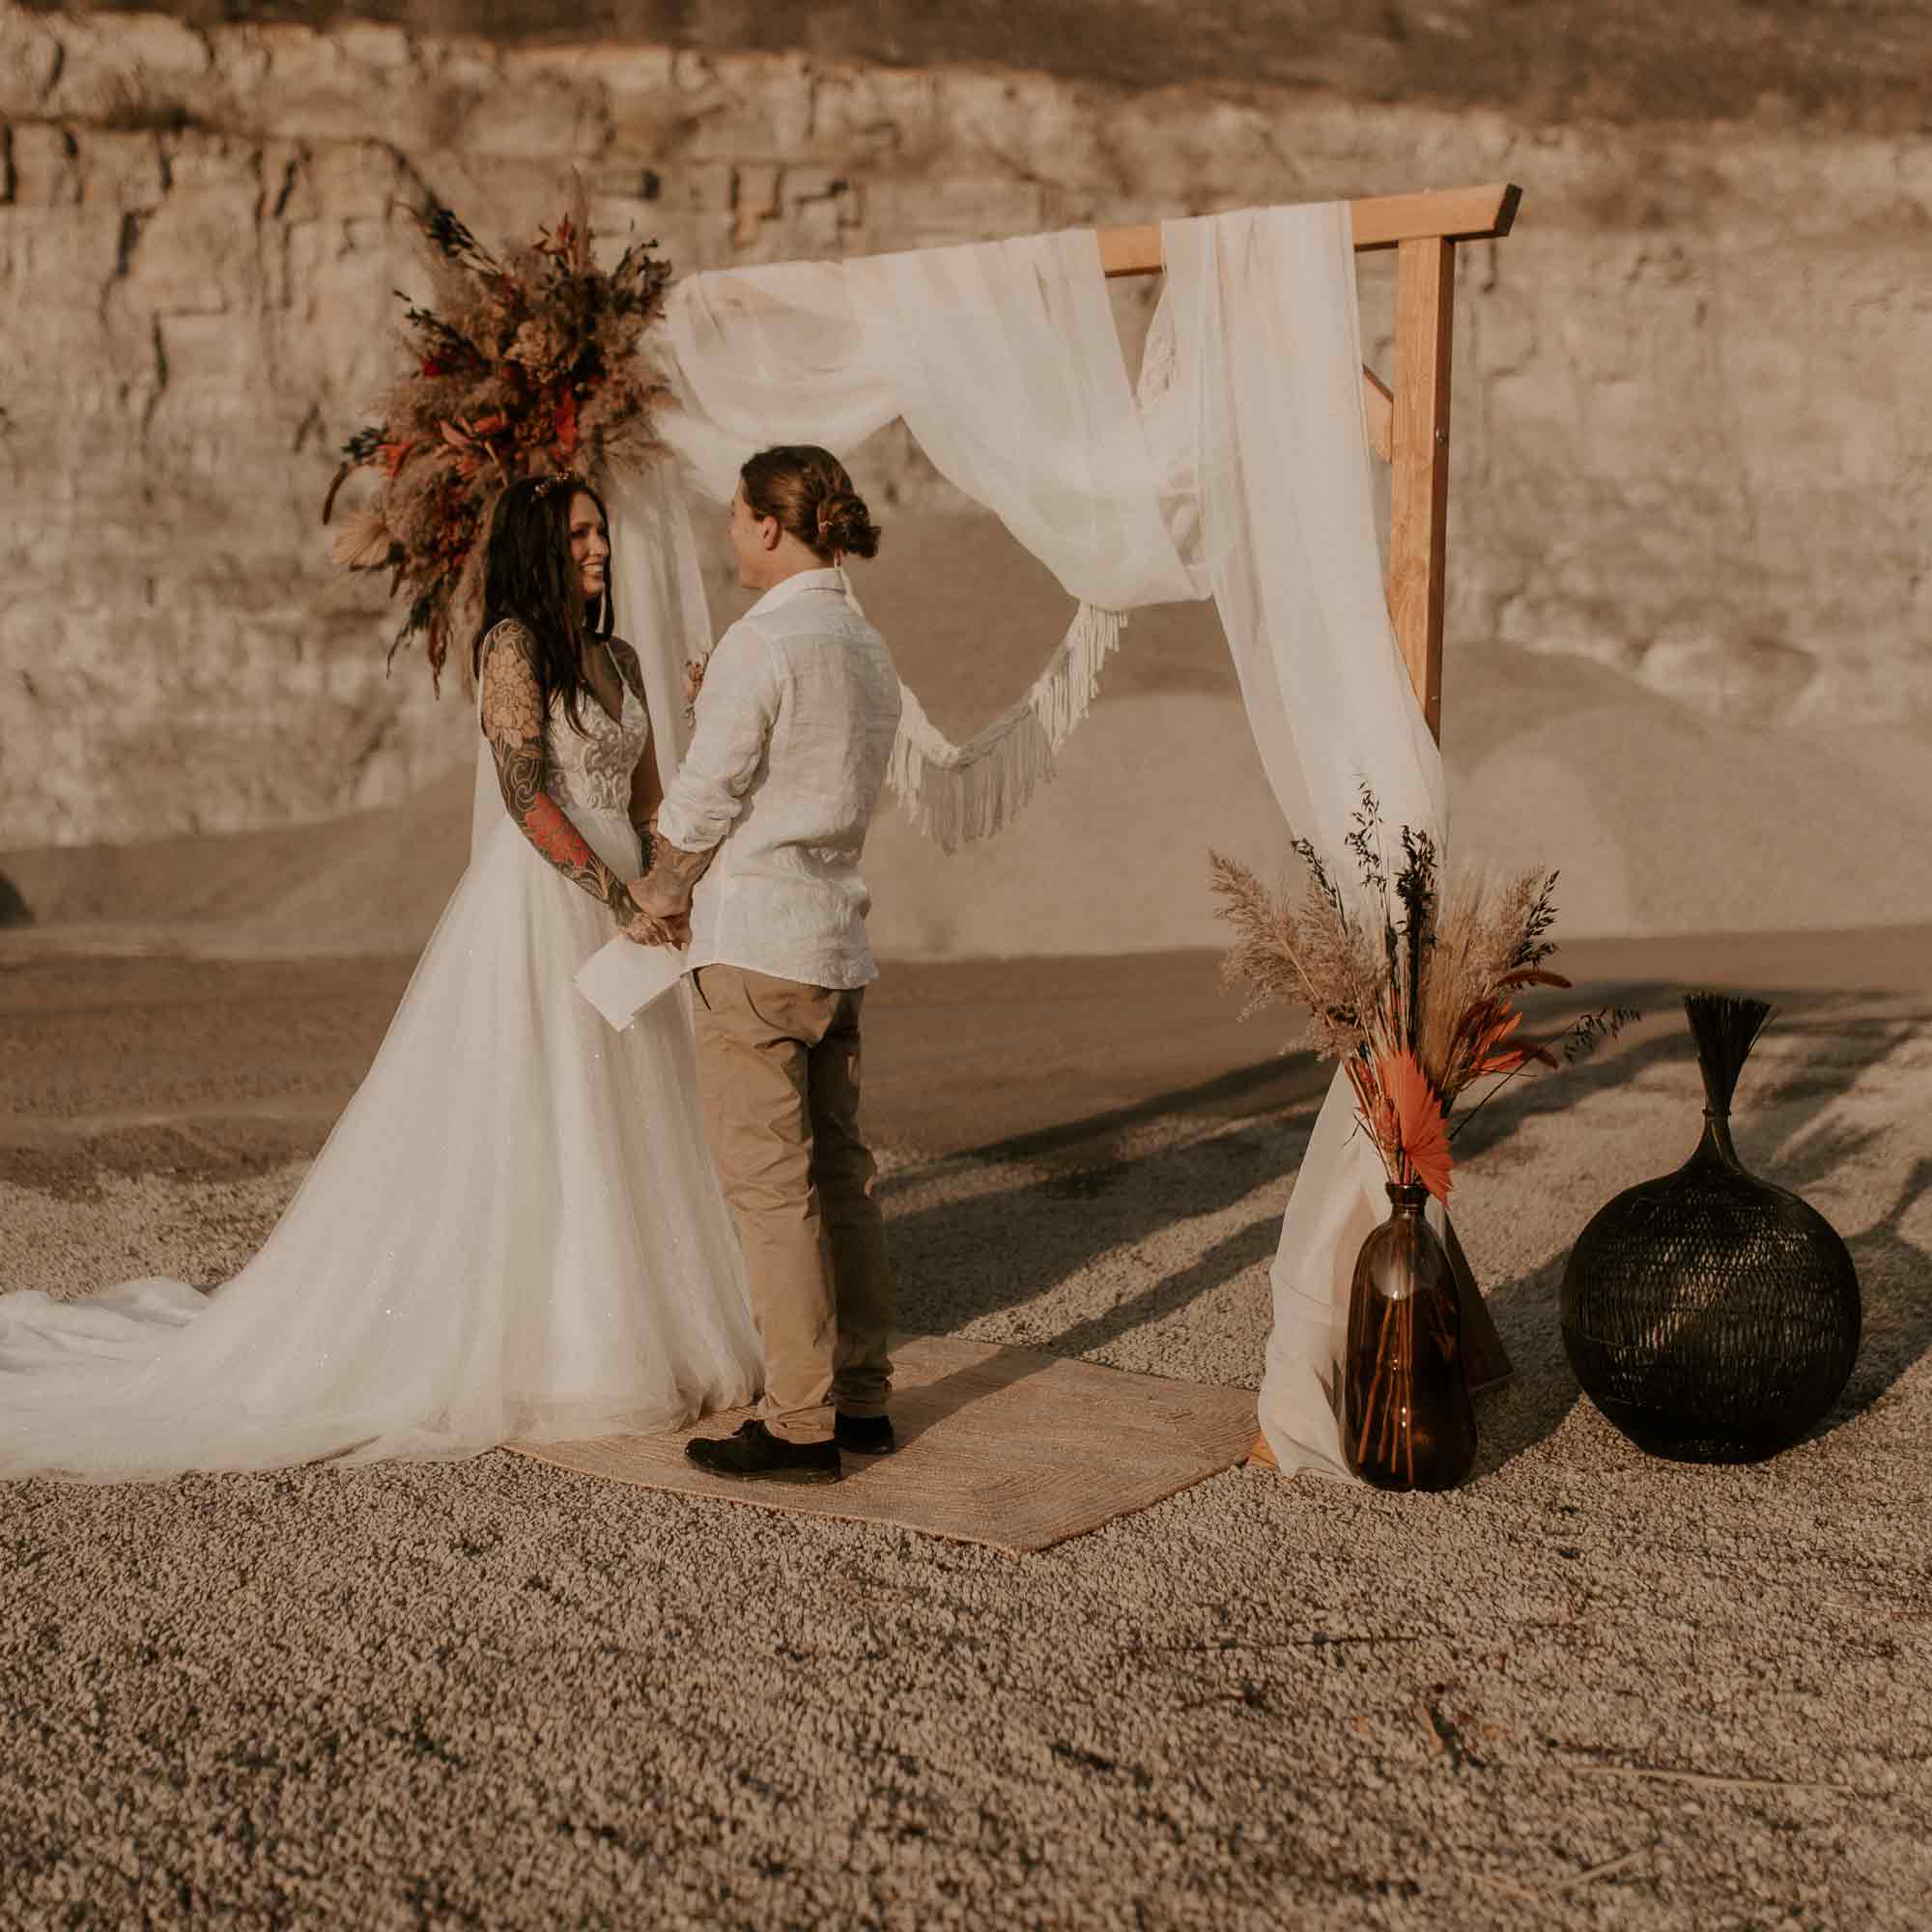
(649,928)
(658,909)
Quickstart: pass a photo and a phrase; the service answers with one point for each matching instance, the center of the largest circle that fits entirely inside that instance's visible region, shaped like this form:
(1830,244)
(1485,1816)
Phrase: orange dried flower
(1422,1131)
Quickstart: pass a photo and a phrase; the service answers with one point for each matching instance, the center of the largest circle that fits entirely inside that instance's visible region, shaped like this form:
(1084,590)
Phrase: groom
(758,839)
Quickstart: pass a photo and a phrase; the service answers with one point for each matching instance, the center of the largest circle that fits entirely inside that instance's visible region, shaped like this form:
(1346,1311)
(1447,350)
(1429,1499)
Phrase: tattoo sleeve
(666,887)
(512,722)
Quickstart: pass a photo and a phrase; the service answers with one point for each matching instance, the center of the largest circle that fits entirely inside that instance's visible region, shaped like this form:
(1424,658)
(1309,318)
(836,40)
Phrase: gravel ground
(1587,1689)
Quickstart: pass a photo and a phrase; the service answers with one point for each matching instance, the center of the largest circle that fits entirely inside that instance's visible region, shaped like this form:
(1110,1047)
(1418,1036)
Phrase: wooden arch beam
(1408,427)
(1380,221)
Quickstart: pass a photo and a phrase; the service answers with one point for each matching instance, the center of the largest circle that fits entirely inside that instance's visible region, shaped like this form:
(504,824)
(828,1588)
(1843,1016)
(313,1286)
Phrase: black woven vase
(1712,1316)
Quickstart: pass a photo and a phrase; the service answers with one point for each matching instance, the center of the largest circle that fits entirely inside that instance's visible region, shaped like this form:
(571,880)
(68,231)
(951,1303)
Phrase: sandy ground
(1587,1689)
(1551,761)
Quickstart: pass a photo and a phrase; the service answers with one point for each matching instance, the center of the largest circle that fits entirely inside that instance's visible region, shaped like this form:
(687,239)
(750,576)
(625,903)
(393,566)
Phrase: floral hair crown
(526,365)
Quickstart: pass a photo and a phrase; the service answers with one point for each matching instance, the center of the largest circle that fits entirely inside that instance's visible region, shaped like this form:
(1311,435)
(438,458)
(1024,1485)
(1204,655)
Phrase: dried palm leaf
(364,542)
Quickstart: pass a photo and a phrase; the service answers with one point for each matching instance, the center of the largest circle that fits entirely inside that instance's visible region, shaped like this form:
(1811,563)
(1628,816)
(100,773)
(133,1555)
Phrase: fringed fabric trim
(956,792)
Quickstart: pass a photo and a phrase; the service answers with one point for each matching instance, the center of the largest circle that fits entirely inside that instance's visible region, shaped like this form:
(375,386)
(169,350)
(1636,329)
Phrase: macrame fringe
(953,793)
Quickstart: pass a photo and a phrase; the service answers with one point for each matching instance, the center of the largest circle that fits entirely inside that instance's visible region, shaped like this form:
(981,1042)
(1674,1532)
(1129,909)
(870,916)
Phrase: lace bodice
(583,771)
(592,772)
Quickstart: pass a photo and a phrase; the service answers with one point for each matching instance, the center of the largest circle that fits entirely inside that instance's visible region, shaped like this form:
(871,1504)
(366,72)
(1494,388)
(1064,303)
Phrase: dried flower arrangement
(526,365)
(1416,1004)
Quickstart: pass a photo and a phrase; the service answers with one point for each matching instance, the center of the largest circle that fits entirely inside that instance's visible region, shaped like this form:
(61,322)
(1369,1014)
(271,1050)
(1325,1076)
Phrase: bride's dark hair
(529,575)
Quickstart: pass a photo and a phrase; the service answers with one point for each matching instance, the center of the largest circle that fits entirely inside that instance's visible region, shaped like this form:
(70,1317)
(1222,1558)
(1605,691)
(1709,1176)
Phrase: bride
(514,1230)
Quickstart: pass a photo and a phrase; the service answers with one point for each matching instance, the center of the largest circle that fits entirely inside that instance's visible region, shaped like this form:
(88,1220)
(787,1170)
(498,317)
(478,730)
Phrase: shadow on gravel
(1532,1405)
(990,1252)
(1779,1141)
(1895,1288)
(997,1252)
(1247,1248)
(1280,1084)
(1867,1041)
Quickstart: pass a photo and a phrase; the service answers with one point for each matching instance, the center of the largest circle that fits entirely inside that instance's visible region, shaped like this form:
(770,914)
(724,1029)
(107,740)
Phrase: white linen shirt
(796,719)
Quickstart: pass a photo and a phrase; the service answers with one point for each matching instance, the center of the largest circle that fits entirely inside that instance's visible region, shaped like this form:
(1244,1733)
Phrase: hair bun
(845,525)
(808,490)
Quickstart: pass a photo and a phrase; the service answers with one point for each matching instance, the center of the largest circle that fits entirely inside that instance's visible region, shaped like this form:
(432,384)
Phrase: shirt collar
(831,578)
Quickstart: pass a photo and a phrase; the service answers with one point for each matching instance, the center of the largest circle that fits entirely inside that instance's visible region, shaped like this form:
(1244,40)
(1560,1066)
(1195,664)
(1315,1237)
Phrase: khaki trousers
(778,1076)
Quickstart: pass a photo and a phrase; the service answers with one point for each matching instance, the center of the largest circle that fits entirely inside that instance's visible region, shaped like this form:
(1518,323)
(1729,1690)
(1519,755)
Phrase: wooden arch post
(1408,428)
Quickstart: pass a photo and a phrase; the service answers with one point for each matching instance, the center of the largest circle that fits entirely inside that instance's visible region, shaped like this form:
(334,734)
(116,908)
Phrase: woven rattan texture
(1711,1316)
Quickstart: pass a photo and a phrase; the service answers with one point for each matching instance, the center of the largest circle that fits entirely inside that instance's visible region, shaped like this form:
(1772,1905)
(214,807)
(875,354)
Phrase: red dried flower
(485,398)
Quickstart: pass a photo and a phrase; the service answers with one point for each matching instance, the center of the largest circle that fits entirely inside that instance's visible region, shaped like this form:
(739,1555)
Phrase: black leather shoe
(755,1451)
(864,1435)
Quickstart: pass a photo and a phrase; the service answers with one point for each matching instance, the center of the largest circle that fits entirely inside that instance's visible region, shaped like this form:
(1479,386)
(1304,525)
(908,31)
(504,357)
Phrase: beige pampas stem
(1417,998)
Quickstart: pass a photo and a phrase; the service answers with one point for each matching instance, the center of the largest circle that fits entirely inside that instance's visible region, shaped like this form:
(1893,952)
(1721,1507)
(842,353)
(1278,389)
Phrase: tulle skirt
(513,1231)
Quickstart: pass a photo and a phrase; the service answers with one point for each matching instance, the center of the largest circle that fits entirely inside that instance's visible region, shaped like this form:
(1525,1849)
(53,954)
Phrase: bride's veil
(659,586)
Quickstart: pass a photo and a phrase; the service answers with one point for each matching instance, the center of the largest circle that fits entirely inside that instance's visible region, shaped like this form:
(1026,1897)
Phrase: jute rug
(1002,1446)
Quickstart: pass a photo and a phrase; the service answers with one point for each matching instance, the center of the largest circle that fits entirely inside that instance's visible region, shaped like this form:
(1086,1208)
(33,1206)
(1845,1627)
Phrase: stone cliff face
(1687,445)
(1844,65)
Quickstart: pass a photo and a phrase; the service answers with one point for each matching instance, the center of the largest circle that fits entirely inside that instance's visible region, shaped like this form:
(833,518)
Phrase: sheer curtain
(1267,453)
(1238,470)
(1003,361)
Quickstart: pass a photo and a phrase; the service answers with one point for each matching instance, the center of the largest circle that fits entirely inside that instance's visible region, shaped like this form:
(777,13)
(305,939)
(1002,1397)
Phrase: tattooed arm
(512,722)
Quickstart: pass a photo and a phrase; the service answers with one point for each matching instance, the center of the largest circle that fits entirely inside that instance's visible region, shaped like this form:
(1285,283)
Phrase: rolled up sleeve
(736,710)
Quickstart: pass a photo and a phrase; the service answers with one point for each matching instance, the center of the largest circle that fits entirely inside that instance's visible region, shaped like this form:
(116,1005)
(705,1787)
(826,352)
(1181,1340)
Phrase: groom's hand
(651,928)
(665,889)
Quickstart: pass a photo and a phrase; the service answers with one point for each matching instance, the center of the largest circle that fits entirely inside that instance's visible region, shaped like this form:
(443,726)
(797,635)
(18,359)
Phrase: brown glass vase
(1407,1422)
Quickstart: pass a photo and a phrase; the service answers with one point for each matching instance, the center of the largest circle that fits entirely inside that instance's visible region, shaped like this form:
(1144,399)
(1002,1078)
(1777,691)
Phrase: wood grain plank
(1419,462)
(1378,221)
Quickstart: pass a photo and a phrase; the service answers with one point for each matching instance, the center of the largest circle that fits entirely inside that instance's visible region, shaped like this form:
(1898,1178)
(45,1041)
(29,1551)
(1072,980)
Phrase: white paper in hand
(623,978)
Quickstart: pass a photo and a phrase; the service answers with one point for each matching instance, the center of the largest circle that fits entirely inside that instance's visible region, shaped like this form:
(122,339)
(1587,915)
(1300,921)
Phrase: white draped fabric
(1266,389)
(1003,360)
(1239,472)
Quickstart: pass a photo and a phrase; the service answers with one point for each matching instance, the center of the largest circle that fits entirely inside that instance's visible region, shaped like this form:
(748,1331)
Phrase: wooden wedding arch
(1409,429)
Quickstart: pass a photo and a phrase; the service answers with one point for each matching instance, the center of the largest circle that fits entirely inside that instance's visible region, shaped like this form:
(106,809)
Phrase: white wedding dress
(513,1230)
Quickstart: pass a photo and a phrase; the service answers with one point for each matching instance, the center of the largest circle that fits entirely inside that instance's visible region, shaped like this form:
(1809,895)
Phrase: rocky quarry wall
(1690,449)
